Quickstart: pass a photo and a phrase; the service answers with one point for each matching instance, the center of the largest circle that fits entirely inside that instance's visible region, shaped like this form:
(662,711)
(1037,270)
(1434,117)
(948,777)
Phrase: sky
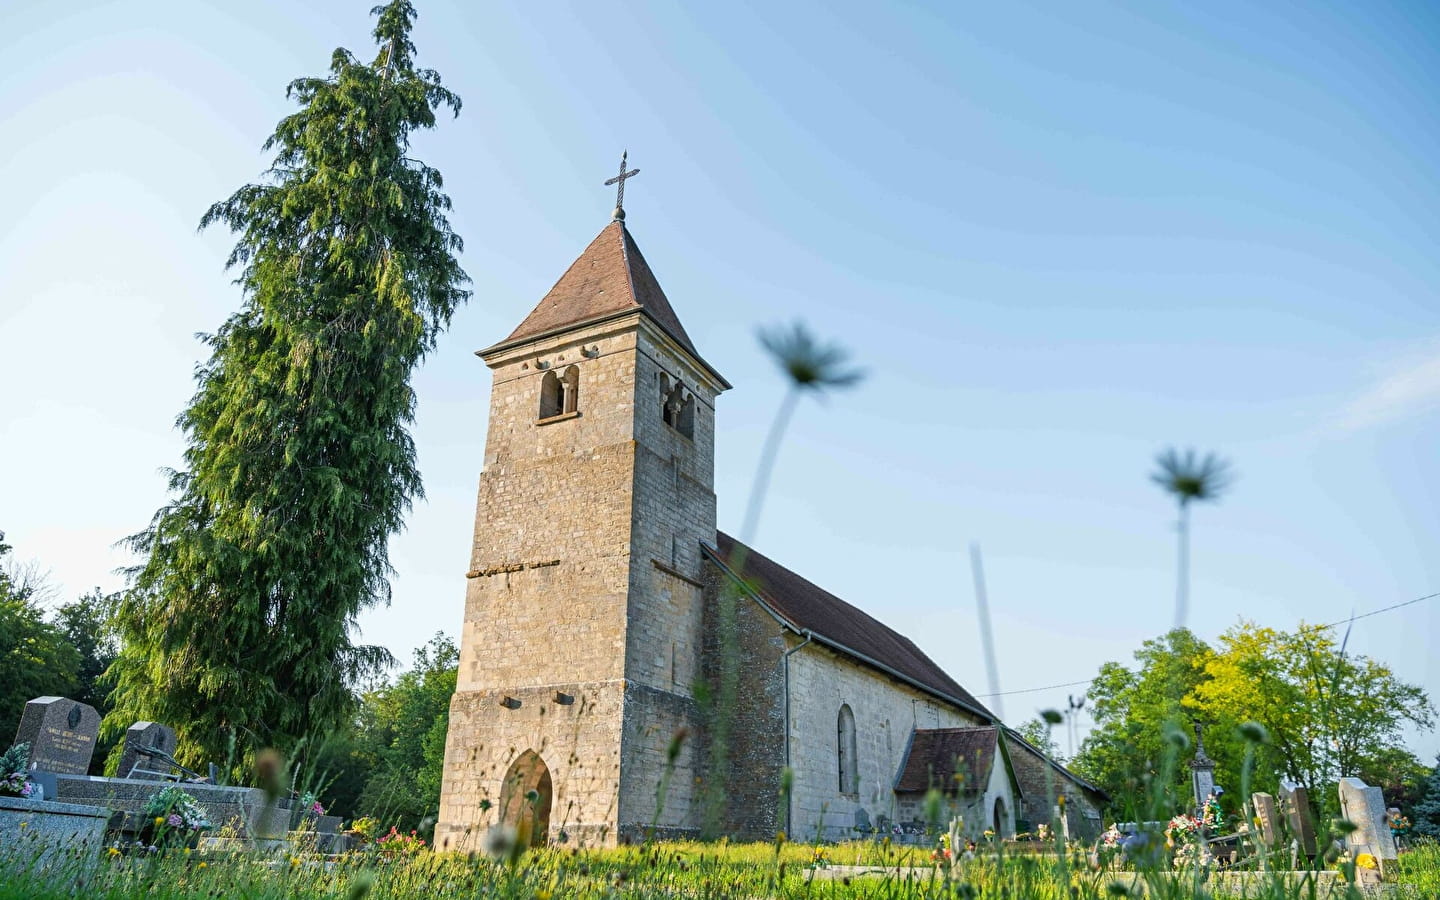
(1058,237)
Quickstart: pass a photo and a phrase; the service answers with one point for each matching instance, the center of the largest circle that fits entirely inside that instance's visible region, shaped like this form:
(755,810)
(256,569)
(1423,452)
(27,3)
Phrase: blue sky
(1060,237)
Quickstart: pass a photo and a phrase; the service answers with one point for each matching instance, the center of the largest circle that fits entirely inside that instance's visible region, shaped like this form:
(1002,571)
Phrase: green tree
(299,463)
(1037,732)
(1133,709)
(1427,811)
(1400,774)
(1328,713)
(402,731)
(86,624)
(35,658)
(1189,478)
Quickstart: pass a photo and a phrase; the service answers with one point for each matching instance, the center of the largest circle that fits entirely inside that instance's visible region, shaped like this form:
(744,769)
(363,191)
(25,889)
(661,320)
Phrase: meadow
(671,870)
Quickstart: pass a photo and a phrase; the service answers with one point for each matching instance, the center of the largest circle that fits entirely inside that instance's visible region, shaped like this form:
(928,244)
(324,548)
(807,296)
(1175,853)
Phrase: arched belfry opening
(525,798)
(552,401)
(677,406)
(570,390)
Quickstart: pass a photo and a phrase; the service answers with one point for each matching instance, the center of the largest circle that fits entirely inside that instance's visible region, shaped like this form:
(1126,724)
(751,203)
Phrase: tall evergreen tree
(1427,811)
(237,627)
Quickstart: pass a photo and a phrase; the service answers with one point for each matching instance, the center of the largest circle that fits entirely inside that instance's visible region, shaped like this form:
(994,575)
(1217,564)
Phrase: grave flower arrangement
(310,804)
(1183,829)
(1210,814)
(942,853)
(1399,825)
(173,817)
(13,782)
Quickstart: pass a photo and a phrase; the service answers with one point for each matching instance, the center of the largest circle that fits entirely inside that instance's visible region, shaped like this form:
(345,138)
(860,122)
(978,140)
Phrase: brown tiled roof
(1030,767)
(937,755)
(609,277)
(807,607)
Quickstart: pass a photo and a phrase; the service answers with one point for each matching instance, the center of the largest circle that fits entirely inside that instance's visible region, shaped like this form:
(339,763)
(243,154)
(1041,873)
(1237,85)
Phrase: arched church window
(551,399)
(570,388)
(846,751)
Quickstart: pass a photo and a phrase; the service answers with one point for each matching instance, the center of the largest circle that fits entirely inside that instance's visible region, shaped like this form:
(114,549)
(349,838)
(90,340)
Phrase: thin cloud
(1408,390)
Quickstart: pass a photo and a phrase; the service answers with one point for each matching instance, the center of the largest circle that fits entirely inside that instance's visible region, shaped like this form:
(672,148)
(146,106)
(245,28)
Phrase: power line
(1345,621)
(1048,687)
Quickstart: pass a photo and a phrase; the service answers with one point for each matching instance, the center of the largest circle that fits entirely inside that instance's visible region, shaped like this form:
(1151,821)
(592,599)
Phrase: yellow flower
(24,824)
(114,851)
(159,820)
(542,895)
(202,865)
(1366,861)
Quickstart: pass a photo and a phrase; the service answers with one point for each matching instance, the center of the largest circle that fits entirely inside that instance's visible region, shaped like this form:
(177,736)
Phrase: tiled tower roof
(609,278)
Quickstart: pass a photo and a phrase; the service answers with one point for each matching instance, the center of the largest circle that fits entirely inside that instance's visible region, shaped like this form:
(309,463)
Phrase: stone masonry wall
(545,606)
(672,513)
(886,711)
(746,790)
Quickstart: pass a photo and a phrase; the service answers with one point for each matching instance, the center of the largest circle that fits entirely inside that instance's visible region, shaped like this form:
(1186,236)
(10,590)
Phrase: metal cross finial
(620,192)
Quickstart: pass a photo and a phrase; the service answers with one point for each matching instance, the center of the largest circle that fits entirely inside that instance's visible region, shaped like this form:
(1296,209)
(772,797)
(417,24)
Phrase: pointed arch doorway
(525,798)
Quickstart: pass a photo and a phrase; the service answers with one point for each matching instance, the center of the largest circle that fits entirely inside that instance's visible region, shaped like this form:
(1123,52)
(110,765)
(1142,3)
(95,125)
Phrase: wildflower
(202,865)
(361,886)
(676,740)
(810,365)
(270,773)
(114,851)
(159,820)
(1366,861)
(502,844)
(1254,733)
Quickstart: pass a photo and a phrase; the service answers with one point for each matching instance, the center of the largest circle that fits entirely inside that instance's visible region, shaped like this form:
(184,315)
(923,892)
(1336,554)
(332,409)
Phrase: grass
(661,870)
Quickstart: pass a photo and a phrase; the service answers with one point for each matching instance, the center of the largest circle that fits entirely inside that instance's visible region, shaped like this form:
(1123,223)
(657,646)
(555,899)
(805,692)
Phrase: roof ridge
(629,268)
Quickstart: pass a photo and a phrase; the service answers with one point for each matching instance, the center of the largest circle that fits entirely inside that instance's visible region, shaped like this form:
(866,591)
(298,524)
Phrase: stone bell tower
(581,639)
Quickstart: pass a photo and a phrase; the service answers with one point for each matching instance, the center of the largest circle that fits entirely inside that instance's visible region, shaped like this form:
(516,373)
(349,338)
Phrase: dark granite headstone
(146,735)
(61,734)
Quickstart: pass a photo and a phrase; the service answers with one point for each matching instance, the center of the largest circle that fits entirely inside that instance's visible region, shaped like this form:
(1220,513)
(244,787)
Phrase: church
(605,616)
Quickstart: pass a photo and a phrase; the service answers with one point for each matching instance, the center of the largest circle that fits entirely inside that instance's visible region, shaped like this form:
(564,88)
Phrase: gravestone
(61,734)
(1364,806)
(145,735)
(1269,816)
(1295,804)
(862,821)
(1202,772)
